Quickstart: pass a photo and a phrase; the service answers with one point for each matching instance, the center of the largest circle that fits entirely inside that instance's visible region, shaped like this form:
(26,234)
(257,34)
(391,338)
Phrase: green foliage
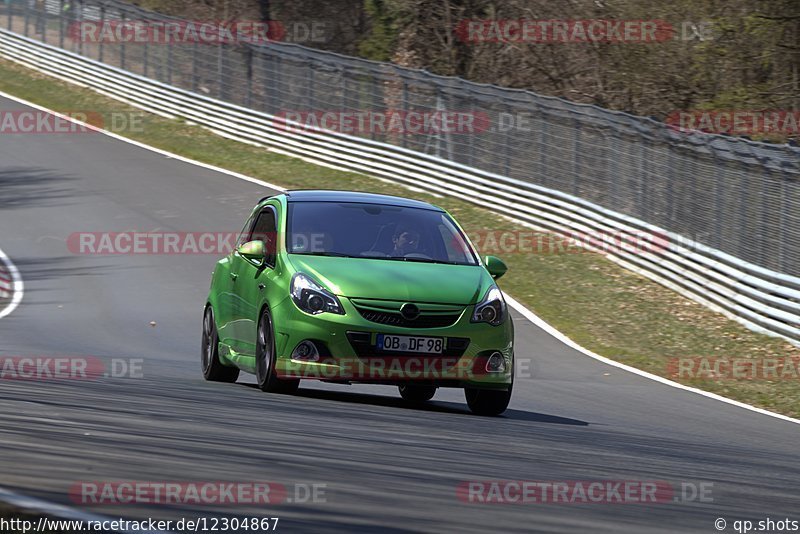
(750,59)
(379,43)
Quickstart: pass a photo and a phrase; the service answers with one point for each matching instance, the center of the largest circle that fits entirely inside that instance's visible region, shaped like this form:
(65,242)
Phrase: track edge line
(560,336)
(18,286)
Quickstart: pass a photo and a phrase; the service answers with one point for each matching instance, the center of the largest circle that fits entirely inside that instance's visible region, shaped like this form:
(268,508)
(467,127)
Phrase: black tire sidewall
(416,393)
(208,357)
(266,376)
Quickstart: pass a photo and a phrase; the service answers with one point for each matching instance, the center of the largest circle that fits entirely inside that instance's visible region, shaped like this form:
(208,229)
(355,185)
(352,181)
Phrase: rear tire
(417,393)
(213,369)
(488,402)
(265,360)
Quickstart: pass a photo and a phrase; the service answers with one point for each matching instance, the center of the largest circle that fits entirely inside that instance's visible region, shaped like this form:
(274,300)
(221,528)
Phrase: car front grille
(425,320)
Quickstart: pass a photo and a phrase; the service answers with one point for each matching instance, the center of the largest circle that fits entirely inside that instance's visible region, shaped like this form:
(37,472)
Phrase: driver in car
(405,240)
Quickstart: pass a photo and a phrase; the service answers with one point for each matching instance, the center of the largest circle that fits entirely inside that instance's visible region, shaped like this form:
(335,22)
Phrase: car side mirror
(253,251)
(495,266)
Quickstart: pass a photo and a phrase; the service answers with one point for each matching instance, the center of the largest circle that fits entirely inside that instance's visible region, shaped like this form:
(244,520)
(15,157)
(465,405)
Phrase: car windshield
(376,231)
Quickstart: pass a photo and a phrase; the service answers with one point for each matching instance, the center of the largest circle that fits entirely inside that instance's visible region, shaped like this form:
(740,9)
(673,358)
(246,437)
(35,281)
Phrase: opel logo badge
(409,311)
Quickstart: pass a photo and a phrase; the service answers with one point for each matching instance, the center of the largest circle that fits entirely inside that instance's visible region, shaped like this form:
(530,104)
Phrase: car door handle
(234,276)
(261,287)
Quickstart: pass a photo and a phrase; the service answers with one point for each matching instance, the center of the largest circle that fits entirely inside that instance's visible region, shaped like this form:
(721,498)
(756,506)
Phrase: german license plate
(422,345)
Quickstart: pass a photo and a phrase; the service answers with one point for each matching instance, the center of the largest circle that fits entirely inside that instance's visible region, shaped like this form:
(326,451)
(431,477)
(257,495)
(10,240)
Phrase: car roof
(322,195)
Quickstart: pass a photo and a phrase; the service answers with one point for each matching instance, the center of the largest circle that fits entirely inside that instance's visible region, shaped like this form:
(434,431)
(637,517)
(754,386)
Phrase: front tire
(417,393)
(266,358)
(488,402)
(213,370)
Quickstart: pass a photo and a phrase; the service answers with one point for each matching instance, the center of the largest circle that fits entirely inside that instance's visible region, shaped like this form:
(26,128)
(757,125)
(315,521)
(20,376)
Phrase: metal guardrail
(762,299)
(734,195)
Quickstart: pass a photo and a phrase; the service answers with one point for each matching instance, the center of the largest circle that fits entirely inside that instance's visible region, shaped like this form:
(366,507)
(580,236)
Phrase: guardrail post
(544,133)
(343,78)
(26,16)
(506,156)
(404,107)
(220,89)
(310,87)
(79,21)
(248,54)
(670,180)
(613,174)
(782,210)
(741,245)
(576,162)
(169,62)
(478,112)
(764,248)
(102,25)
(41,25)
(145,56)
(194,65)
(718,195)
(272,89)
(641,191)
(122,44)
(61,16)
(437,136)
(790,191)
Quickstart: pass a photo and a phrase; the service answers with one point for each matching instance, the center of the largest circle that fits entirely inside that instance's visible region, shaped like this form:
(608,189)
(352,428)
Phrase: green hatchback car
(352,287)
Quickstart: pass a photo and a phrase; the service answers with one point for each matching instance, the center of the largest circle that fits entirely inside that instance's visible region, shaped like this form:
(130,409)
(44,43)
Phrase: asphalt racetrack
(384,466)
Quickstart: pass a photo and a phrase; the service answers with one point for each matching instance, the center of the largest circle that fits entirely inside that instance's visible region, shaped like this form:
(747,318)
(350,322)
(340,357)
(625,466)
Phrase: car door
(252,278)
(228,299)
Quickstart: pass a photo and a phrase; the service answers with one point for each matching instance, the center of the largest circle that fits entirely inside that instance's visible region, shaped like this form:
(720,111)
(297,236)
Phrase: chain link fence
(738,196)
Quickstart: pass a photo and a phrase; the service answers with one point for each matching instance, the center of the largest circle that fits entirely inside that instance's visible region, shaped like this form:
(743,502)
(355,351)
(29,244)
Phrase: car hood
(396,280)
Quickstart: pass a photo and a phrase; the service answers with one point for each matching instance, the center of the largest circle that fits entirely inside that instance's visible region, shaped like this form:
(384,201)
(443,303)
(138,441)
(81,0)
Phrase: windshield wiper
(426,260)
(390,258)
(330,254)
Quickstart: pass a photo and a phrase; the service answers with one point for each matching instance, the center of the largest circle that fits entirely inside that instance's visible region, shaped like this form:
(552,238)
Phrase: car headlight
(492,309)
(312,298)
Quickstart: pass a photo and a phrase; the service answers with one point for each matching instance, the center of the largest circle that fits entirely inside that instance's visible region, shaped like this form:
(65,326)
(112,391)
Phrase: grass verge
(601,306)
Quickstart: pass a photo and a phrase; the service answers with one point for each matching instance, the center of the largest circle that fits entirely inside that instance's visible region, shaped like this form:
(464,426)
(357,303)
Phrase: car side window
(265,230)
(244,235)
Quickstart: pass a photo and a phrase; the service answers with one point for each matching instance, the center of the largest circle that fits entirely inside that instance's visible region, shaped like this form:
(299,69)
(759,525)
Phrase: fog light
(496,363)
(306,351)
